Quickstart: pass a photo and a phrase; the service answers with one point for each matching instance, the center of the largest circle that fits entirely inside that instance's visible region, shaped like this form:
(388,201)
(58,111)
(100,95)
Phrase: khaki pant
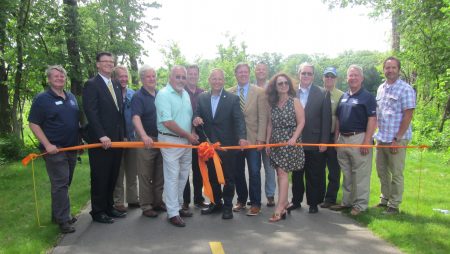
(390,172)
(128,169)
(151,178)
(356,169)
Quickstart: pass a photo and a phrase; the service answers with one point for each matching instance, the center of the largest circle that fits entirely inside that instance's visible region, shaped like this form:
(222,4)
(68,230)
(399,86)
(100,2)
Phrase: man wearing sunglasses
(317,105)
(334,171)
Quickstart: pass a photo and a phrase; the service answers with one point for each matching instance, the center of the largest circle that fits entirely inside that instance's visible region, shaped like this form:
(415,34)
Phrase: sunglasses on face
(180,77)
(306,74)
(282,83)
(330,76)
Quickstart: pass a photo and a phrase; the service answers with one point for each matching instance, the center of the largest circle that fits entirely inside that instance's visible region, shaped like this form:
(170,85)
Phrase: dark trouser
(334,173)
(105,166)
(229,171)
(197,182)
(253,157)
(60,168)
(314,172)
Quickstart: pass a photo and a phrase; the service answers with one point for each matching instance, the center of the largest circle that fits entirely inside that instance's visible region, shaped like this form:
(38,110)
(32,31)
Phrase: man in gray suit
(317,105)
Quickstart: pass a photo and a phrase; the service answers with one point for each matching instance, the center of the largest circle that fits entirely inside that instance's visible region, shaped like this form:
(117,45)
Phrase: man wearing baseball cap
(334,171)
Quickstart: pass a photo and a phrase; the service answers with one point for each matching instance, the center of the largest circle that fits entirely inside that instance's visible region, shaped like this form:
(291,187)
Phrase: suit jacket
(317,117)
(228,124)
(101,112)
(255,113)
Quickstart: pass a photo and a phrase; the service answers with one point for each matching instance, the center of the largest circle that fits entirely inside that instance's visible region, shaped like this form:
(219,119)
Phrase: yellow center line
(216,248)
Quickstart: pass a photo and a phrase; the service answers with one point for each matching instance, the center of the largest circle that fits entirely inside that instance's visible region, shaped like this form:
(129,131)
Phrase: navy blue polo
(57,117)
(354,110)
(143,105)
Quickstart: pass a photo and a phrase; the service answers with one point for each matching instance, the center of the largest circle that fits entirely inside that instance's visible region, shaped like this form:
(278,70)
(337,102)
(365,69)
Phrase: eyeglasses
(281,83)
(180,77)
(330,76)
(307,74)
(106,61)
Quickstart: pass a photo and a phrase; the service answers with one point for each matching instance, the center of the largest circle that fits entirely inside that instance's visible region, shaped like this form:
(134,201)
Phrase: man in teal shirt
(174,123)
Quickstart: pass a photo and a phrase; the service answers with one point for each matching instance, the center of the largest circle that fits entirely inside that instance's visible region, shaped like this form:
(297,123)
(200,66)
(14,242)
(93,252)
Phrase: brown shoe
(185,213)
(185,206)
(254,210)
(150,213)
(339,207)
(238,207)
(355,211)
(177,221)
(270,201)
(160,208)
(120,208)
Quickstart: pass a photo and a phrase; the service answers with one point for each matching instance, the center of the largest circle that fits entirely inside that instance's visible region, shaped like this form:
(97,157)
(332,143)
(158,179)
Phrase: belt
(348,134)
(168,134)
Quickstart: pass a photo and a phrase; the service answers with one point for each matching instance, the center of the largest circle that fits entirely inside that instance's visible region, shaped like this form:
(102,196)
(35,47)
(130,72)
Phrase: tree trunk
(395,47)
(445,115)
(5,107)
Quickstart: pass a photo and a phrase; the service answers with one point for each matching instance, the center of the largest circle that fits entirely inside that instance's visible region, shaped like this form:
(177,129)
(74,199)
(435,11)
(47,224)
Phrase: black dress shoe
(133,205)
(177,221)
(201,205)
(160,208)
(212,208)
(293,206)
(313,209)
(102,218)
(185,213)
(227,214)
(116,214)
(66,228)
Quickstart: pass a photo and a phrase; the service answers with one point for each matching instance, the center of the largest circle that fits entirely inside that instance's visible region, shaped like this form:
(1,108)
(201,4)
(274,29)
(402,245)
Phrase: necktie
(241,98)
(113,94)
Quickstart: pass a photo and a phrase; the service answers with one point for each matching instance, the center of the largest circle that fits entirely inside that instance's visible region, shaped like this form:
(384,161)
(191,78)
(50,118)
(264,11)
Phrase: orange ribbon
(207,151)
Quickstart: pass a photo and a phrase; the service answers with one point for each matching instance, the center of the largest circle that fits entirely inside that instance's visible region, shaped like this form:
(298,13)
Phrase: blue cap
(331,70)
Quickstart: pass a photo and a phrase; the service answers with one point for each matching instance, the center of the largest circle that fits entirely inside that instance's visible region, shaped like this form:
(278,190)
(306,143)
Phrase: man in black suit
(103,106)
(219,118)
(317,104)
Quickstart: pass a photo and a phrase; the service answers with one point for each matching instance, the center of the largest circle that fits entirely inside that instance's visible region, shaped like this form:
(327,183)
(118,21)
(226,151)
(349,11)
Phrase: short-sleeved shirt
(354,110)
(193,96)
(335,96)
(143,105)
(57,117)
(173,106)
(392,100)
(129,127)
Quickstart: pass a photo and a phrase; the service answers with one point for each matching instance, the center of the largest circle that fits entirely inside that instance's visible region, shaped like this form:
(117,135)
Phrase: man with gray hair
(149,160)
(356,123)
(128,164)
(174,123)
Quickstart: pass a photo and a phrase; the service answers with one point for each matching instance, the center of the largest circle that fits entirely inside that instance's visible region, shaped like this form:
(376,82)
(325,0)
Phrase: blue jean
(271,184)
(253,158)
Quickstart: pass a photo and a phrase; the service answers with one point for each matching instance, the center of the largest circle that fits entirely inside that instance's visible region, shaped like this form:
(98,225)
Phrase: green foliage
(12,148)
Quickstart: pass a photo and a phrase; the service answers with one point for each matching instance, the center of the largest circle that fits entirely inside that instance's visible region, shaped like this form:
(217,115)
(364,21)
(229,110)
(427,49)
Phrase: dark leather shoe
(133,205)
(120,208)
(102,218)
(150,213)
(293,206)
(227,214)
(327,204)
(114,213)
(270,201)
(185,206)
(160,208)
(201,205)
(71,221)
(313,209)
(212,208)
(177,221)
(185,213)
(66,228)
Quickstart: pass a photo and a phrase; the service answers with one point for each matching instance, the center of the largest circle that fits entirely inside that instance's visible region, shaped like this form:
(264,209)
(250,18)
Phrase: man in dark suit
(219,118)
(103,106)
(317,105)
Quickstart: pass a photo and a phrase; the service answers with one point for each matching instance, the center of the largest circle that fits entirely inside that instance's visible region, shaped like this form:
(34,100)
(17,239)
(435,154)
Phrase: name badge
(58,102)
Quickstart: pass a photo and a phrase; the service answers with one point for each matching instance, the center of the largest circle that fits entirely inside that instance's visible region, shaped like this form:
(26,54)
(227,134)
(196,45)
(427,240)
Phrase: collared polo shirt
(57,117)
(172,106)
(353,111)
(193,96)
(335,95)
(129,127)
(143,105)
(392,100)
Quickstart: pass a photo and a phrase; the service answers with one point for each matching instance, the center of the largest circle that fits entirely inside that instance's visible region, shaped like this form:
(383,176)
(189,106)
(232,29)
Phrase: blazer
(317,117)
(101,112)
(256,112)
(228,124)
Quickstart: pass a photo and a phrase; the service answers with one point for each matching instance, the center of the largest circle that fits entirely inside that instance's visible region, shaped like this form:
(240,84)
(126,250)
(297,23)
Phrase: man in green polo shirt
(174,123)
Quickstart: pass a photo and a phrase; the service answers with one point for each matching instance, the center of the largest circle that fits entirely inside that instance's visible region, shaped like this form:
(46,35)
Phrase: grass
(19,231)
(418,229)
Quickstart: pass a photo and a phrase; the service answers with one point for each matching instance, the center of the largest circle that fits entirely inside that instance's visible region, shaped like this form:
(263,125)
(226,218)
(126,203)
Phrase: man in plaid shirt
(396,101)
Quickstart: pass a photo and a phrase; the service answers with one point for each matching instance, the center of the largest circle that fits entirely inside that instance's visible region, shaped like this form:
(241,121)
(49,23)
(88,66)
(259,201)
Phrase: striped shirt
(392,100)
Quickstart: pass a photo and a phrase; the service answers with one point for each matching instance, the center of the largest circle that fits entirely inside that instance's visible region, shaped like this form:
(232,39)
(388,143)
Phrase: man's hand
(192,138)
(268,151)
(364,150)
(148,142)
(51,149)
(106,142)
(197,121)
(322,149)
(260,143)
(394,150)
(242,143)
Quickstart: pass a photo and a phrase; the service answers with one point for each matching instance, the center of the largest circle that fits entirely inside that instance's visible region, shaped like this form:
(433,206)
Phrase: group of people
(269,112)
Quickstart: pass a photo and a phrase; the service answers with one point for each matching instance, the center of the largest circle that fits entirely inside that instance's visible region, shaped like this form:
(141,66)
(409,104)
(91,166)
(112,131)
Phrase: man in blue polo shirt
(356,123)
(54,120)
